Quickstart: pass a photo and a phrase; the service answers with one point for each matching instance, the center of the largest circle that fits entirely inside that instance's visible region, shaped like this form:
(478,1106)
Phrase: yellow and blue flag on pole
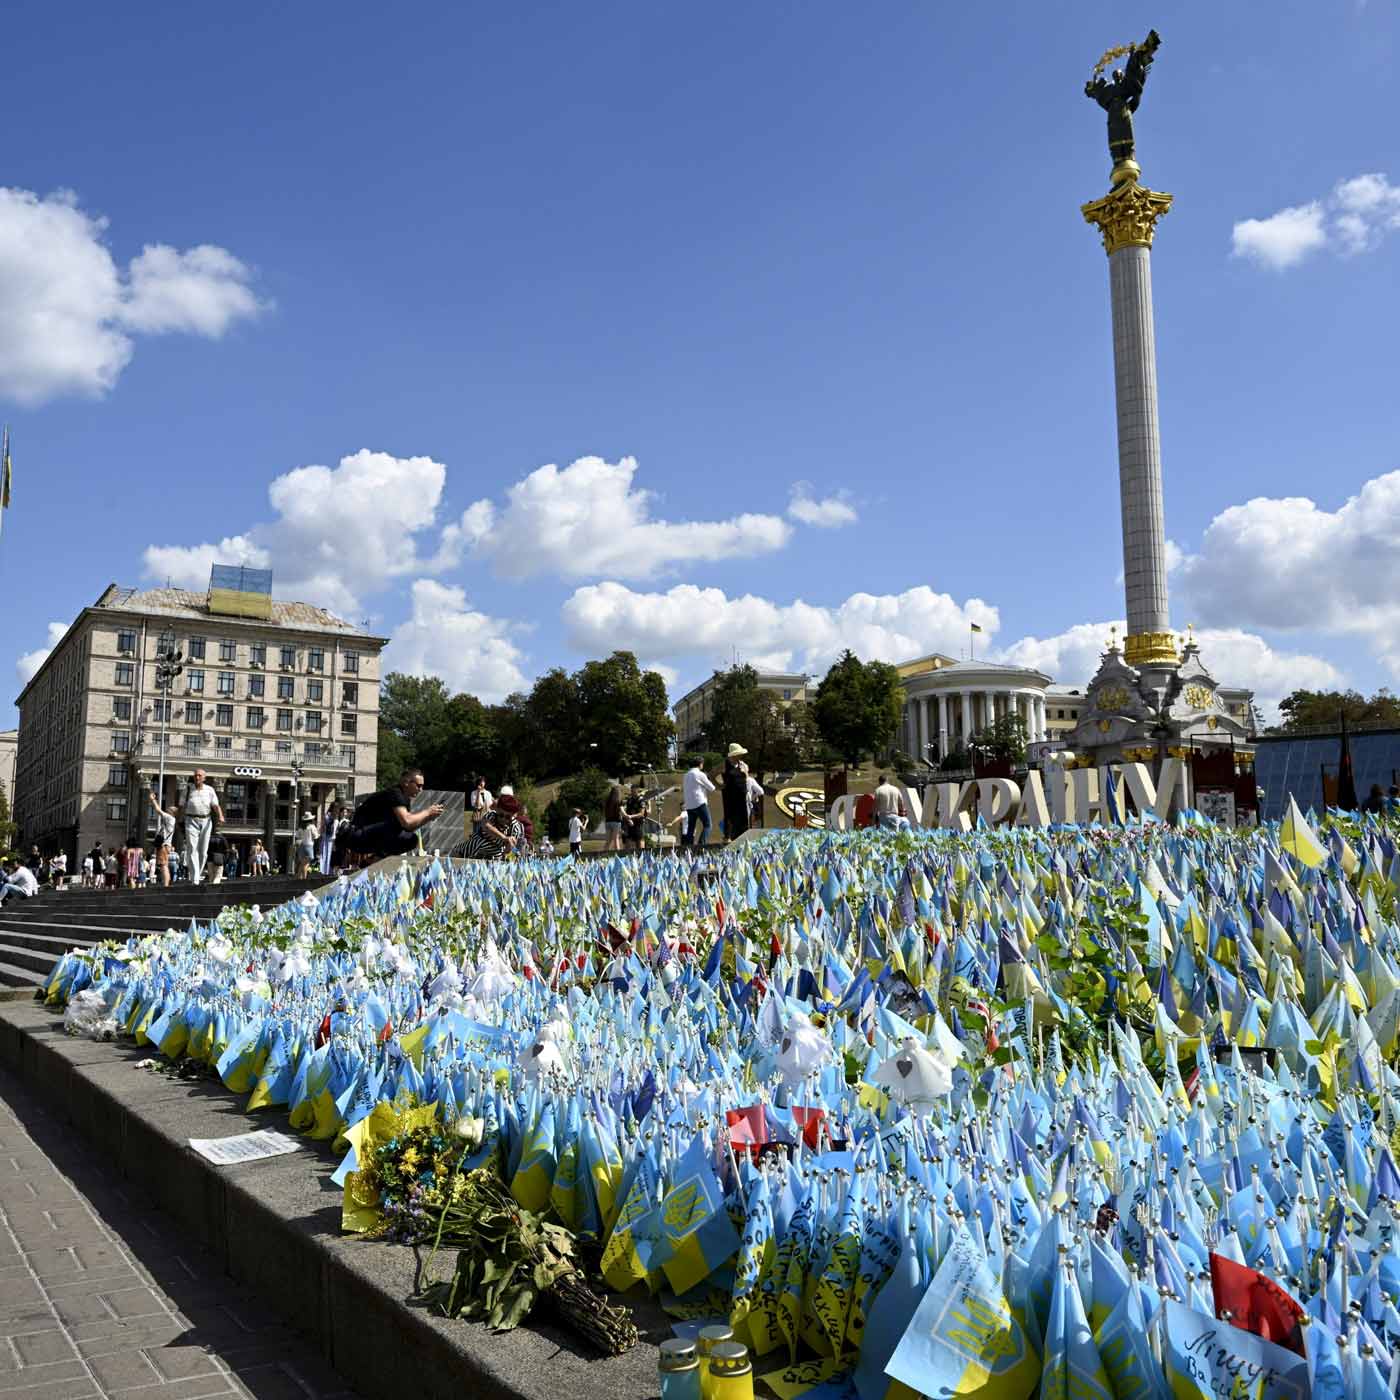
(696,1236)
(1299,839)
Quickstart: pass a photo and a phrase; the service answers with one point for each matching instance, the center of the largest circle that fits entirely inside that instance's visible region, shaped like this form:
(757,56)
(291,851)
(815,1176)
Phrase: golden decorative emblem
(1122,51)
(1111,697)
(1199,697)
(1214,722)
(1127,218)
(1146,648)
(1105,725)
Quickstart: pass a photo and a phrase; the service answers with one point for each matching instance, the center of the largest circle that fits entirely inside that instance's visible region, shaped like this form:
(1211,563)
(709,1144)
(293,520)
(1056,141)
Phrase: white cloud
(826,514)
(1355,217)
(444,637)
(1284,563)
(1233,656)
(67,312)
(27,667)
(1282,239)
(705,624)
(588,519)
(202,291)
(338,532)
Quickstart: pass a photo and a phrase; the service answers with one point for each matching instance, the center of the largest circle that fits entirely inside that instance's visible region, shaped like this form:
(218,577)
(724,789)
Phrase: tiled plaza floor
(99,1296)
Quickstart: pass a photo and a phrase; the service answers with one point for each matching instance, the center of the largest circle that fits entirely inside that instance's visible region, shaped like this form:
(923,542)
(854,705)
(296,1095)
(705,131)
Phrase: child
(576,833)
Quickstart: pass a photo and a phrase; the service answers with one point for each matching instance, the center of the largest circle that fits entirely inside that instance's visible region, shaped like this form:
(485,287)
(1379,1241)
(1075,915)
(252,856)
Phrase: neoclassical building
(947,701)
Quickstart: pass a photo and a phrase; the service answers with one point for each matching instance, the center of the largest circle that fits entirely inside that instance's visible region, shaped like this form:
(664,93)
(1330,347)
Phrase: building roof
(180,602)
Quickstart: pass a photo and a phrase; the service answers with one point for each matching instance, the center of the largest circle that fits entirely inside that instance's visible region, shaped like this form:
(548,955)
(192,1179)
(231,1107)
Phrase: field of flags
(1103,1112)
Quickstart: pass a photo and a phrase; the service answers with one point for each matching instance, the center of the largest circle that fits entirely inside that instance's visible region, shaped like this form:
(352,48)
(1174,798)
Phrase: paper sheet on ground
(245,1147)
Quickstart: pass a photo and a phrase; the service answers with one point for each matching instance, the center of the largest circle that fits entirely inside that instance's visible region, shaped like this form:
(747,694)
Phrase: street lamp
(168,665)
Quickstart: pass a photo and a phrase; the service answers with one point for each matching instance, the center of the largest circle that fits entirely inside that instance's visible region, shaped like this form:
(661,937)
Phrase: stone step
(20,978)
(40,964)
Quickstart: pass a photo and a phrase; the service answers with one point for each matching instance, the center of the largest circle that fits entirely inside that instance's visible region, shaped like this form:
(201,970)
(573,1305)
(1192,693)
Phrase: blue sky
(803,290)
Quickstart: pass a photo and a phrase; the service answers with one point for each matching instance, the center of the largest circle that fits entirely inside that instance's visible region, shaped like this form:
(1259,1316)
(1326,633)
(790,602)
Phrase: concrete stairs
(35,933)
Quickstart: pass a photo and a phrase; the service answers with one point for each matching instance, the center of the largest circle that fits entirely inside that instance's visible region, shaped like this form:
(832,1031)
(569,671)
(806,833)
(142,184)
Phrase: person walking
(218,857)
(133,866)
(385,823)
(111,869)
(480,800)
(58,870)
(696,788)
(734,788)
(306,846)
(576,833)
(165,837)
(231,863)
(98,859)
(612,819)
(201,809)
(756,796)
(634,817)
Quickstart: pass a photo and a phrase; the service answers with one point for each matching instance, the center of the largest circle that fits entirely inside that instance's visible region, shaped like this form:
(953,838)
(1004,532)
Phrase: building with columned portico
(946,702)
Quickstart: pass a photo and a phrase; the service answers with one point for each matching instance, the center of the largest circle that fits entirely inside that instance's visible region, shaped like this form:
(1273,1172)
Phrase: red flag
(385,1036)
(323,1034)
(1255,1303)
(748,1128)
(810,1121)
(1193,1081)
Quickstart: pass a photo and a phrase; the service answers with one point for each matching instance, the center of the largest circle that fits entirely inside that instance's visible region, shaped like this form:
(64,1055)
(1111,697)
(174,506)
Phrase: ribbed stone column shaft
(1139,445)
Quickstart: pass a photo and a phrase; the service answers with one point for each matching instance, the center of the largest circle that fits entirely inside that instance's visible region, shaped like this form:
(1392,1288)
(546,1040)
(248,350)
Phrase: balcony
(271,754)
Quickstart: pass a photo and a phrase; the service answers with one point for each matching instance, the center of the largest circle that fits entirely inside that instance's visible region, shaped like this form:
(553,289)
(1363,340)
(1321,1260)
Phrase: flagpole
(971,643)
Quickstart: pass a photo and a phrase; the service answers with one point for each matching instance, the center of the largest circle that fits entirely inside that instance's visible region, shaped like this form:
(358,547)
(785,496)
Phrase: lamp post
(168,665)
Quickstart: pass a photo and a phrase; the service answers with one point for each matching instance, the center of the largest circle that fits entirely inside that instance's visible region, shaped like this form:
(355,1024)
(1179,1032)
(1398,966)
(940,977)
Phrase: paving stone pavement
(100,1296)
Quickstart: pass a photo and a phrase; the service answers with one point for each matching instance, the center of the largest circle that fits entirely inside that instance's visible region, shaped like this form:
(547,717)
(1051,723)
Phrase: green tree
(587,791)
(624,715)
(8,828)
(743,712)
(450,737)
(858,707)
(1005,738)
(553,711)
(1324,709)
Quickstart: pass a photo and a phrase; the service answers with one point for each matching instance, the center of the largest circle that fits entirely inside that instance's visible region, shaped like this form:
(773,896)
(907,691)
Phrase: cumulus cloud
(1287,564)
(337,532)
(68,312)
(588,519)
(827,514)
(1353,218)
(445,637)
(705,624)
(1233,656)
(27,667)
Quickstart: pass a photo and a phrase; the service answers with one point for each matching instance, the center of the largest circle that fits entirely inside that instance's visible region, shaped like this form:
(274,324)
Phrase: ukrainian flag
(1299,839)
(534,1177)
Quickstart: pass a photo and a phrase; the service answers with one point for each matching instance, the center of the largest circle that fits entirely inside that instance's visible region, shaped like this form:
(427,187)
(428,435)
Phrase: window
(121,707)
(126,673)
(313,721)
(161,711)
(194,712)
(284,721)
(350,693)
(347,755)
(116,775)
(225,682)
(116,809)
(348,723)
(350,660)
(284,748)
(289,656)
(228,651)
(315,659)
(257,717)
(285,690)
(126,642)
(196,648)
(223,745)
(315,692)
(223,714)
(191,743)
(121,742)
(257,654)
(195,681)
(256,686)
(253,748)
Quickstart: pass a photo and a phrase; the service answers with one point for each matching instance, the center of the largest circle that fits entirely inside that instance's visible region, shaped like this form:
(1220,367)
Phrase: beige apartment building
(278,702)
(693,709)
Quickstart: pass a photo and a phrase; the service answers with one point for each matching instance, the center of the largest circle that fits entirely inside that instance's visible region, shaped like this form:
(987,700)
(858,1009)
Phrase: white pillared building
(948,701)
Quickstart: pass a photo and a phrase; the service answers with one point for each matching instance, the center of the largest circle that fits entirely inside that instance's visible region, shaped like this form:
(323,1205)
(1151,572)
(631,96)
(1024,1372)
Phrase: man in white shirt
(19,882)
(695,790)
(889,807)
(576,833)
(201,807)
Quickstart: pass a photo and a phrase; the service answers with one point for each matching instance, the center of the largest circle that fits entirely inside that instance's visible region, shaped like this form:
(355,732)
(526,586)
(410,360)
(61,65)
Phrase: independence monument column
(1127,218)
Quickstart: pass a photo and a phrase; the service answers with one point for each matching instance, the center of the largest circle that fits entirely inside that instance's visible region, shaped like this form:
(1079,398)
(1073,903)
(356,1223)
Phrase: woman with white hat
(734,785)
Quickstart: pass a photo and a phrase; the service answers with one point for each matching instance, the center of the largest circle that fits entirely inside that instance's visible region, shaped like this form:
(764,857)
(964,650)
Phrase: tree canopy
(608,714)
(778,734)
(858,707)
(1324,709)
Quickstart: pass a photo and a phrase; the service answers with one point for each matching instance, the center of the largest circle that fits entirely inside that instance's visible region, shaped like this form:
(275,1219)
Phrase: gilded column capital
(1127,216)
(1150,648)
